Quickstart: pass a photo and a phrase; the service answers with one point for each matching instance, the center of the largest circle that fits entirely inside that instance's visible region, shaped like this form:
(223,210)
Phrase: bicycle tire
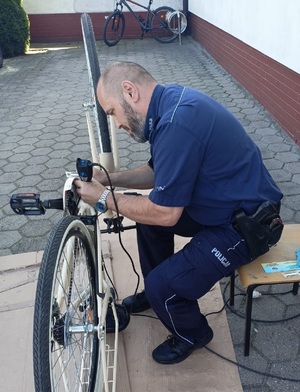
(66,298)
(159,26)
(113,29)
(94,75)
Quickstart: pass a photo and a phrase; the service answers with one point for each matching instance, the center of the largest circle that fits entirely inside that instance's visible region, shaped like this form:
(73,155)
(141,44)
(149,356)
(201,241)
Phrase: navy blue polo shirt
(202,157)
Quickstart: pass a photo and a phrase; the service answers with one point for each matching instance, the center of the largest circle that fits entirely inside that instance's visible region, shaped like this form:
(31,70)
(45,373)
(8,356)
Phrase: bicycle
(163,23)
(75,304)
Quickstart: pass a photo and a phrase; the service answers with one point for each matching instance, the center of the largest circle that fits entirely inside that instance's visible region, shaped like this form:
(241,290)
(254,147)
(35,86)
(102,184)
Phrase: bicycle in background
(164,23)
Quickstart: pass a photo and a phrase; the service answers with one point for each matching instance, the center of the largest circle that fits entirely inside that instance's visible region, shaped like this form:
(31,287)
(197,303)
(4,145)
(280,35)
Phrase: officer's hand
(89,191)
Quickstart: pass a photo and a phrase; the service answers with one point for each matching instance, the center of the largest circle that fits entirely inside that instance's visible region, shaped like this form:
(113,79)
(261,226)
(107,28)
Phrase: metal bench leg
(248,316)
(295,288)
(232,283)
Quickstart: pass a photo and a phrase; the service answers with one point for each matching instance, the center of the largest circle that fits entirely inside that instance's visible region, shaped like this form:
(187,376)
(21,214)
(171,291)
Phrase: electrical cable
(144,315)
(241,315)
(251,369)
(119,227)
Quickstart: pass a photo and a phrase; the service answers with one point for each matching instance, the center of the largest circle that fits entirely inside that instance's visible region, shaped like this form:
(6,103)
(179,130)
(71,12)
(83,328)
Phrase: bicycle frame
(144,25)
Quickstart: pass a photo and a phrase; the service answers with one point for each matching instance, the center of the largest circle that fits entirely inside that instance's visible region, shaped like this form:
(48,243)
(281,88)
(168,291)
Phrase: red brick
(274,85)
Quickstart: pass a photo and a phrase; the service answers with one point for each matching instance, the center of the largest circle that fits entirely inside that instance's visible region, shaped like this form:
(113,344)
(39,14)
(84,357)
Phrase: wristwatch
(101,203)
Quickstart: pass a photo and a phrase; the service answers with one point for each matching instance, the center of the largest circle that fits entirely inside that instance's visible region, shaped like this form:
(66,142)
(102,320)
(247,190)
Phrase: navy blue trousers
(175,281)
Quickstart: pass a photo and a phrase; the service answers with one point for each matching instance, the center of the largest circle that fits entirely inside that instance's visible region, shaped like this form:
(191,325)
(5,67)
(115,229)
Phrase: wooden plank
(123,383)
(202,370)
(16,324)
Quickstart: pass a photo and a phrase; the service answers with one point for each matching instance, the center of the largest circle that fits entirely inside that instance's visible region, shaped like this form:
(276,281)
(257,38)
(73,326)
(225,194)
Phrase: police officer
(203,168)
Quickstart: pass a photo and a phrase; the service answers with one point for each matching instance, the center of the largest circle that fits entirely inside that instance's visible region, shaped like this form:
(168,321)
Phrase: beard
(135,123)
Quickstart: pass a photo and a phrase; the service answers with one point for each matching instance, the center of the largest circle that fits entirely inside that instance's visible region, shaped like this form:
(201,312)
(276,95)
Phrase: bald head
(112,77)
(125,83)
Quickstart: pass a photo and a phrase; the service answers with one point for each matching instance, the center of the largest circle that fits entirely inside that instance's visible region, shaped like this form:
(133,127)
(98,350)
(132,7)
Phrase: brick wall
(275,86)
(66,27)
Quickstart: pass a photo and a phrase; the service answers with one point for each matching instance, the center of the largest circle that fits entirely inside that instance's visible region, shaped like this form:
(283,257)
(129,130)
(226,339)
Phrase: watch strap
(102,198)
(104,195)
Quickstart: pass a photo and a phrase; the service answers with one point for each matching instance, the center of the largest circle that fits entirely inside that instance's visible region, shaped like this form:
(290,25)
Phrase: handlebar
(31,204)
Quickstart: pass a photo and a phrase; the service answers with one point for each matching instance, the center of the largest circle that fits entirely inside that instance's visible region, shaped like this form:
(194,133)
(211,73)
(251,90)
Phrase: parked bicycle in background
(164,23)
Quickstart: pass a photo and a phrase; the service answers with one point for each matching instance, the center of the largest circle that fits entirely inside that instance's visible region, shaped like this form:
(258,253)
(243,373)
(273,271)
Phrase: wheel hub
(59,330)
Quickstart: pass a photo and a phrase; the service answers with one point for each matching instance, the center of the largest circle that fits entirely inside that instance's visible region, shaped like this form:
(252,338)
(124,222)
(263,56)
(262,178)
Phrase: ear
(130,91)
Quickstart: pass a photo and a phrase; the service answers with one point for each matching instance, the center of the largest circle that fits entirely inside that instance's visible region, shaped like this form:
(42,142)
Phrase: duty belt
(261,230)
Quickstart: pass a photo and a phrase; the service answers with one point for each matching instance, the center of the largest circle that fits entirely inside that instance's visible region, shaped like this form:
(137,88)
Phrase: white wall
(270,26)
(70,6)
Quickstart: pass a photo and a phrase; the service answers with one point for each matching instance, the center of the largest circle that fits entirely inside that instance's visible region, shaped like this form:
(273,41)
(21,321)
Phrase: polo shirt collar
(152,114)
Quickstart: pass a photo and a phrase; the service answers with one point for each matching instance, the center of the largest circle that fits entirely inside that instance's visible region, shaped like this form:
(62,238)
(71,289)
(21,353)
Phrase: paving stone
(7,240)
(274,163)
(46,132)
(281,175)
(280,147)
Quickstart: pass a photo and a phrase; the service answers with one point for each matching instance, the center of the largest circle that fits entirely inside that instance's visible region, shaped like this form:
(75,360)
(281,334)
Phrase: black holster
(260,230)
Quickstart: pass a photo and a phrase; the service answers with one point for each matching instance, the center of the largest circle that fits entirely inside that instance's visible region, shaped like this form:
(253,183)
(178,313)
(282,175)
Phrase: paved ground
(43,131)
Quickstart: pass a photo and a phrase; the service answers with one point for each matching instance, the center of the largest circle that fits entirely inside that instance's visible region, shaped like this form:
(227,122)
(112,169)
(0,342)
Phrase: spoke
(74,290)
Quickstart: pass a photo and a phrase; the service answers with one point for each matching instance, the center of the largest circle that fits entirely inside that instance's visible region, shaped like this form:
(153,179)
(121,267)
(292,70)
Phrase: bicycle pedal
(27,204)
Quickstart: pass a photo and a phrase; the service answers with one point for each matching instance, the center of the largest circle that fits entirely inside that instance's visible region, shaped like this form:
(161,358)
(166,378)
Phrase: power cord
(251,369)
(257,320)
(241,315)
(119,231)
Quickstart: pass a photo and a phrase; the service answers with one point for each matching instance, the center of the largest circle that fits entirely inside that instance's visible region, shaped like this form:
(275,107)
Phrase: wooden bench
(252,275)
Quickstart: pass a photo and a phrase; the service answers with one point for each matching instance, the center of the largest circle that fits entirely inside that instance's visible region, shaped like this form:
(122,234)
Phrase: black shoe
(123,318)
(174,350)
(136,303)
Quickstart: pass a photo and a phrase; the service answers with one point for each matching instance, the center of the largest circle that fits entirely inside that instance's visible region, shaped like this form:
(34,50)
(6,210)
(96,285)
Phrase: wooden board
(202,371)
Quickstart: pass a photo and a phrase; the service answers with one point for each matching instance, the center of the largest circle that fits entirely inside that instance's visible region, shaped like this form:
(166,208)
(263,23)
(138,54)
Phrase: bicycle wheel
(94,75)
(159,26)
(113,28)
(65,346)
